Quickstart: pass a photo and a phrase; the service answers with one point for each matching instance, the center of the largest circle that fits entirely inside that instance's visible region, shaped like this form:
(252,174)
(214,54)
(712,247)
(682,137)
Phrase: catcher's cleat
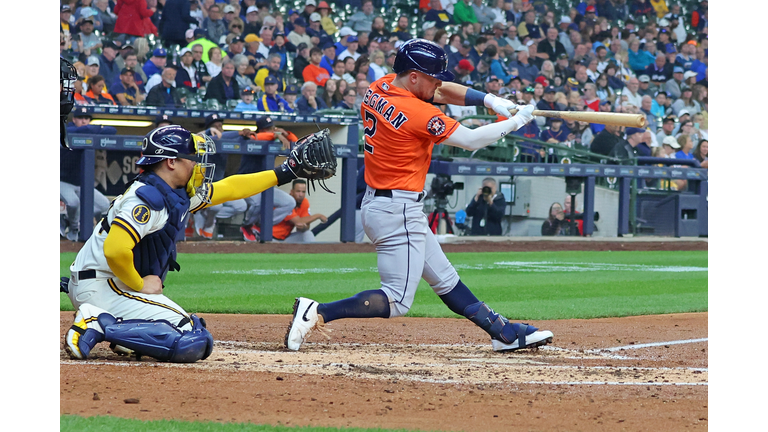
(84,334)
(533,340)
(305,319)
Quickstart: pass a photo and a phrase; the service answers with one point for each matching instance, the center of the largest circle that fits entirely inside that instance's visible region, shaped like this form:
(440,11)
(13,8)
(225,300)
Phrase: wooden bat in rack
(607,118)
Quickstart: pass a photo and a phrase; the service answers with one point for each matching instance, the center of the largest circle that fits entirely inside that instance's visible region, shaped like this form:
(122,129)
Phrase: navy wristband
(474,98)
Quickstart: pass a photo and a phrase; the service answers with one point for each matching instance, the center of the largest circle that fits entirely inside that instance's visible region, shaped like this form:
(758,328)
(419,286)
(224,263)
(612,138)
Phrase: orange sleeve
(264,136)
(292,137)
(427,122)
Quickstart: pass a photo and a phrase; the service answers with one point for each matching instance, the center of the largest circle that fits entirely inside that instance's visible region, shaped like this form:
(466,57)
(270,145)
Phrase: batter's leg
(444,280)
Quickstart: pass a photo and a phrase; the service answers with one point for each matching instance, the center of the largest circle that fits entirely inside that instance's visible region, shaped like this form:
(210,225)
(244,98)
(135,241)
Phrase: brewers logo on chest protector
(400,131)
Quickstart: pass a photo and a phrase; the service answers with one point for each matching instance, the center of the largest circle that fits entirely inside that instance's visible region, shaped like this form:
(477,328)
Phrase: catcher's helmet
(424,56)
(67,78)
(173,141)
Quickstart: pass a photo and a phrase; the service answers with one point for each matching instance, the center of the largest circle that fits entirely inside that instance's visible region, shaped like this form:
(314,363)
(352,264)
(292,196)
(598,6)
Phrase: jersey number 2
(369,131)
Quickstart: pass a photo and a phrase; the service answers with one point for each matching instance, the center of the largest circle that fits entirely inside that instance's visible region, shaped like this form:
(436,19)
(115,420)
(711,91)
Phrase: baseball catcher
(116,281)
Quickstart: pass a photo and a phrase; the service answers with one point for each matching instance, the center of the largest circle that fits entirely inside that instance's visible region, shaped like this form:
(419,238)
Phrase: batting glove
(500,105)
(524,115)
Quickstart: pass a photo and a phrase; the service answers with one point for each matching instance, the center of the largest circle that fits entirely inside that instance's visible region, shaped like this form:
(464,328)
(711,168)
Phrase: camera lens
(486,190)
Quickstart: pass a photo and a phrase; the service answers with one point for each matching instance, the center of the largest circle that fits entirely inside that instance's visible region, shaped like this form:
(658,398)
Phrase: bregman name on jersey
(385,108)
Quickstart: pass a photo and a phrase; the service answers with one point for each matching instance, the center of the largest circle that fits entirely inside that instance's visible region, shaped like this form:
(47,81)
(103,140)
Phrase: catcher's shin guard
(161,340)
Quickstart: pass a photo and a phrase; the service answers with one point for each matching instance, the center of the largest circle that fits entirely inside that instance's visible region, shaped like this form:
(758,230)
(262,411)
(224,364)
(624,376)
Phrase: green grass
(114,424)
(237,283)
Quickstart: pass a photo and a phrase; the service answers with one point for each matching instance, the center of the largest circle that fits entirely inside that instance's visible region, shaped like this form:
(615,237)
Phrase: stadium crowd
(630,56)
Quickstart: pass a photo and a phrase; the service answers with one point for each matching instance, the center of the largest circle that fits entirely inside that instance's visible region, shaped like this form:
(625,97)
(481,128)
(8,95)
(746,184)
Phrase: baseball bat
(617,119)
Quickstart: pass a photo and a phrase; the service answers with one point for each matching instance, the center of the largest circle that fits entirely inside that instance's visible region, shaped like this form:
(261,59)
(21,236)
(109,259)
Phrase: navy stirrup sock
(366,304)
(459,299)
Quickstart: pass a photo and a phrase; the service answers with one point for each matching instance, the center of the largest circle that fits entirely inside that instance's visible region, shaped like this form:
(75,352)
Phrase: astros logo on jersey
(140,214)
(436,126)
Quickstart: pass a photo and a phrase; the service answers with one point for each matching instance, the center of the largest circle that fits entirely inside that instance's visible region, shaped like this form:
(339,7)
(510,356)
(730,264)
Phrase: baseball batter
(116,281)
(401,126)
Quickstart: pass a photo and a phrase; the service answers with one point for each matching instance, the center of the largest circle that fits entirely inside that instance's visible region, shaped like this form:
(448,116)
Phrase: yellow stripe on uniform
(120,292)
(127,227)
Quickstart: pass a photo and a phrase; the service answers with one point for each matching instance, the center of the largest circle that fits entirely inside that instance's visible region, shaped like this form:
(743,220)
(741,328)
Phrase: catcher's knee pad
(161,339)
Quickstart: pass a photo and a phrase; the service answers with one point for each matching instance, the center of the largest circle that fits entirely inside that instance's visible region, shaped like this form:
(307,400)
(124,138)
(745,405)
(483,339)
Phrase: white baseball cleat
(305,319)
(533,340)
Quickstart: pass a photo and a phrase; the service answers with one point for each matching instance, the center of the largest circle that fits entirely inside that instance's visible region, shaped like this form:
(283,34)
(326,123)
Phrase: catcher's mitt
(313,158)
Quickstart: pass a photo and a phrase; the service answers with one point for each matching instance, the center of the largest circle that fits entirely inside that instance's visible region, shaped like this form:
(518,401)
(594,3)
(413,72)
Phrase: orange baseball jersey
(282,230)
(400,132)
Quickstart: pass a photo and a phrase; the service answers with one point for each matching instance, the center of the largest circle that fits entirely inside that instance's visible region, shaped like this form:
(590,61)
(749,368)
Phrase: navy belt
(388,193)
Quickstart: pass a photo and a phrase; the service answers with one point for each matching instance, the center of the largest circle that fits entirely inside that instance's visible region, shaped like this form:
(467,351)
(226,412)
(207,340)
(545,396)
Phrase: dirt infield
(633,373)
(636,373)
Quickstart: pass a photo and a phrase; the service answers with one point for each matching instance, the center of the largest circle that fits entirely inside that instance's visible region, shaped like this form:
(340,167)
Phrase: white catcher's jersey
(130,210)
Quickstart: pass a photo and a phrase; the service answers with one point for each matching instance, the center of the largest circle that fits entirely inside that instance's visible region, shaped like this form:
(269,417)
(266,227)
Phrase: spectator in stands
(529,28)
(402,29)
(340,72)
(361,87)
(252,49)
(631,92)
(213,66)
(348,101)
(97,94)
(175,21)
(552,226)
(659,105)
(701,153)
(556,133)
(236,46)
(126,91)
(604,91)
(378,29)
(246,101)
(186,74)
(667,129)
(86,43)
(313,72)
(308,103)
(362,65)
(235,27)
(224,86)
(326,20)
(69,176)
(686,145)
(92,69)
(299,34)
(463,13)
(164,94)
(282,47)
(627,149)
(252,21)
(436,14)
(551,46)
(271,101)
(660,71)
(156,63)
(107,66)
(487,210)
(80,93)
(462,72)
(309,8)
(525,69)
(362,20)
(329,56)
(484,13)
(329,90)
(290,96)
(214,25)
(606,140)
(295,227)
(315,30)
(674,85)
(301,61)
(377,67)
(197,62)
(351,51)
(686,102)
(130,17)
(272,69)
(244,71)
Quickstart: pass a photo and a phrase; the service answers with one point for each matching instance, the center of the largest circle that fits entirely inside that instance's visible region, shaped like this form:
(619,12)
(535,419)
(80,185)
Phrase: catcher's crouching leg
(160,339)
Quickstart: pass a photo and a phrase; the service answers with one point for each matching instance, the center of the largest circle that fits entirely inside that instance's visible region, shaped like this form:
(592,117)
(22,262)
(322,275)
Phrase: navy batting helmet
(423,56)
